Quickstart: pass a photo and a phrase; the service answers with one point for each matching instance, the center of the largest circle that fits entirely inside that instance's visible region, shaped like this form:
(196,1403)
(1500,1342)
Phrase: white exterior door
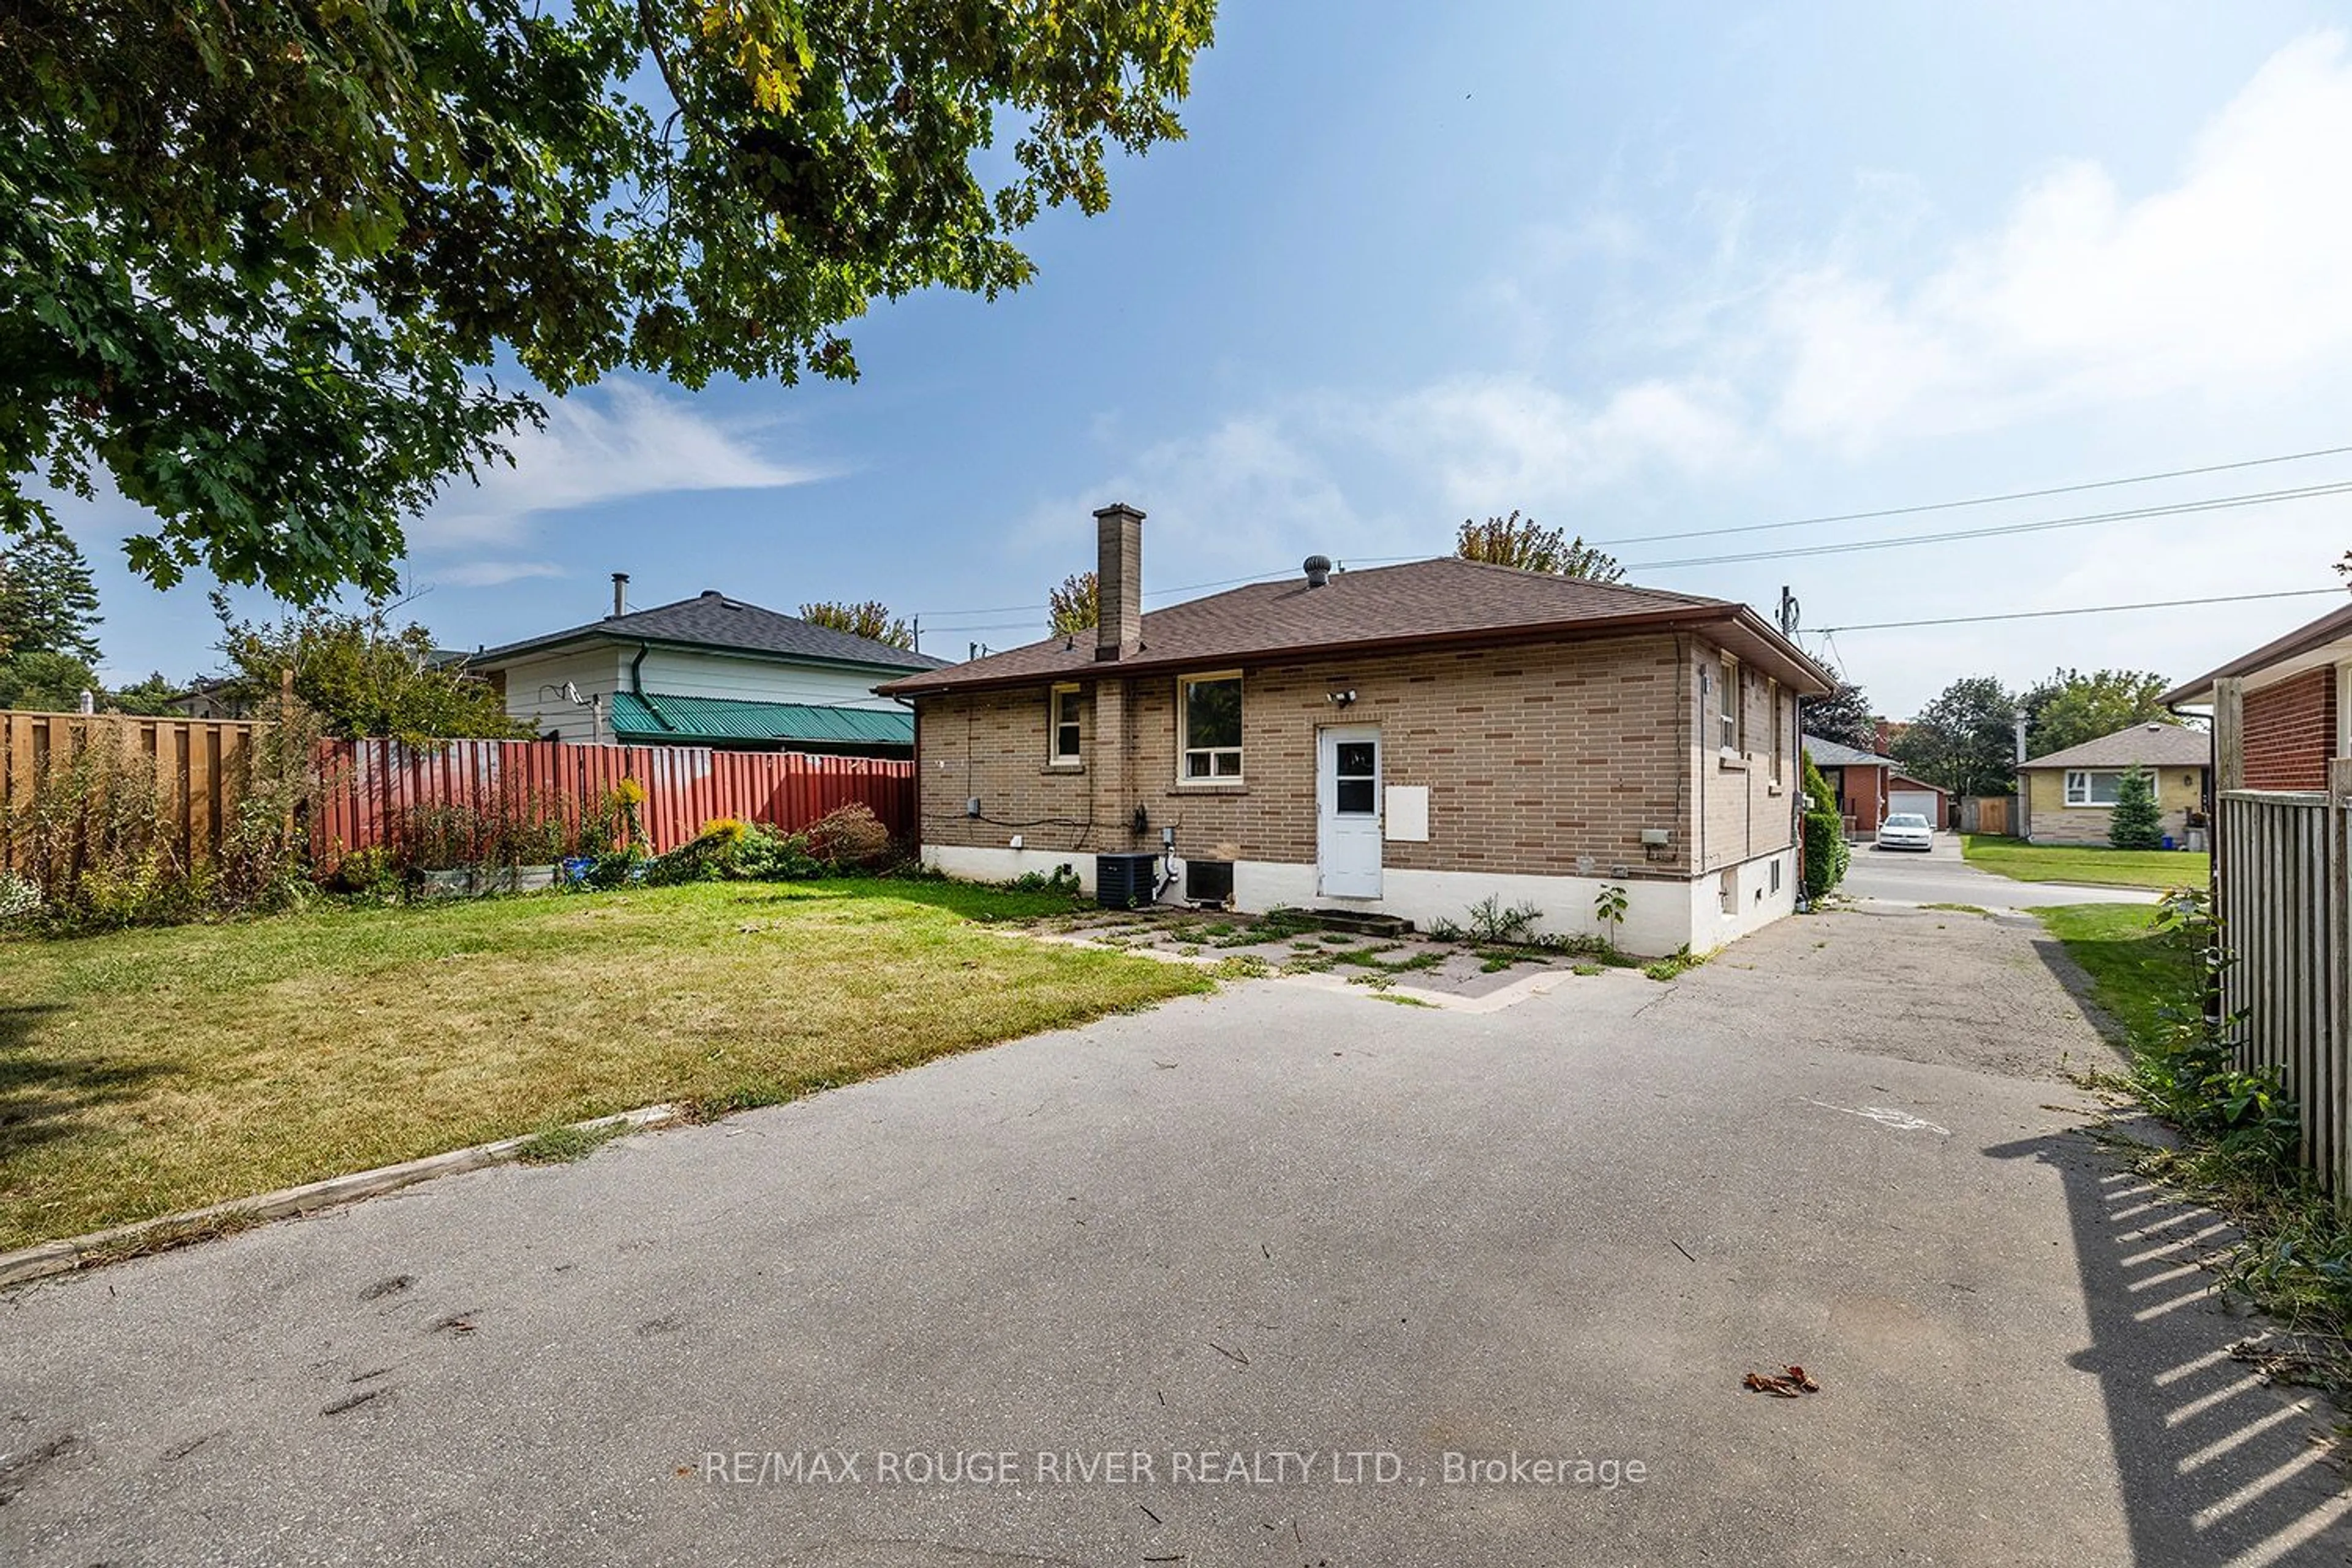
(1348,812)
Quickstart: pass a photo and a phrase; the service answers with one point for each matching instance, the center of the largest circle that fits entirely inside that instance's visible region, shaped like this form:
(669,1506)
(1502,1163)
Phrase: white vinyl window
(1730,716)
(1209,728)
(2084,788)
(1064,718)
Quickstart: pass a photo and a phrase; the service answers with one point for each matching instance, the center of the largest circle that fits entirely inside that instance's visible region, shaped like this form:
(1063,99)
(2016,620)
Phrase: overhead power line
(2078,610)
(943,618)
(2175,508)
(1979,501)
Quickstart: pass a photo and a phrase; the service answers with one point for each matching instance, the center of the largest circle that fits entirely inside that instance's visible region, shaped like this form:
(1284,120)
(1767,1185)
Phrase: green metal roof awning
(727,721)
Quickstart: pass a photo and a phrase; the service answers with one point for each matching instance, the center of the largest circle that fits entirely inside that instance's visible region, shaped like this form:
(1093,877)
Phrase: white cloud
(610,444)
(494,574)
(1685,374)
(2085,299)
(1246,493)
(1488,440)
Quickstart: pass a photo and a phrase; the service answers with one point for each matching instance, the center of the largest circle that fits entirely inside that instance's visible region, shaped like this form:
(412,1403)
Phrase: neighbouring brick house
(2290,699)
(2070,795)
(1870,787)
(1407,740)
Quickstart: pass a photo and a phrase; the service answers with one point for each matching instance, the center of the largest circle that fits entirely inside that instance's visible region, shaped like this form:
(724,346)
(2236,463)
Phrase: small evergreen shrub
(2135,822)
(1827,854)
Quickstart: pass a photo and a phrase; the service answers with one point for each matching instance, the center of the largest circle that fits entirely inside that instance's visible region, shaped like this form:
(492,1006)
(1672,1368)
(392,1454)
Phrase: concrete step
(1362,922)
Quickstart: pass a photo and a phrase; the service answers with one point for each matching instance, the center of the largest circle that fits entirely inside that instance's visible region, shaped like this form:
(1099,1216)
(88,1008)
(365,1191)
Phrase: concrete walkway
(1941,876)
(1280,1277)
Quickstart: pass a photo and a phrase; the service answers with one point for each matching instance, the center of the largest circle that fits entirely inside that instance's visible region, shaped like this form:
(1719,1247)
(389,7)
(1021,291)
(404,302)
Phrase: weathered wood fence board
(2283,876)
(1985,814)
(197,764)
(368,788)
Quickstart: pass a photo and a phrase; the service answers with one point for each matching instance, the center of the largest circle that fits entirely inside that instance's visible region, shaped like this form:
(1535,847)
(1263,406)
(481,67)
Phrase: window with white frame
(1780,736)
(1067,731)
(2089,789)
(1209,727)
(1729,717)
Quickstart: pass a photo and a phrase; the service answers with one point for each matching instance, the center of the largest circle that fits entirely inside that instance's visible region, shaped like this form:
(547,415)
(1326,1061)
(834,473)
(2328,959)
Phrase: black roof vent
(1318,570)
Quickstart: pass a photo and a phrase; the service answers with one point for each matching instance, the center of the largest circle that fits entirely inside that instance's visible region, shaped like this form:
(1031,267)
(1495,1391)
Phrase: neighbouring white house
(707,671)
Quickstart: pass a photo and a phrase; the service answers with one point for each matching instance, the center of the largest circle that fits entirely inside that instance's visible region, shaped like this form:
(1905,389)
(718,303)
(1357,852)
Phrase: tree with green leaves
(1527,544)
(261,258)
(2071,707)
(153,697)
(1965,739)
(46,682)
(362,676)
(2135,822)
(871,620)
(1842,716)
(47,602)
(1076,607)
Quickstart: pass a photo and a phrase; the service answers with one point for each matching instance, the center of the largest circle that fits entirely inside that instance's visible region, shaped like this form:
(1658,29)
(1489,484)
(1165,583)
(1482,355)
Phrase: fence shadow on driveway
(2217,1466)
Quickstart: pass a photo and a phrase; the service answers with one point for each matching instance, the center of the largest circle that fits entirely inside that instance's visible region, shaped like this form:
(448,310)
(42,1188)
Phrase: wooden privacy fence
(1985,814)
(197,763)
(2282,881)
(369,789)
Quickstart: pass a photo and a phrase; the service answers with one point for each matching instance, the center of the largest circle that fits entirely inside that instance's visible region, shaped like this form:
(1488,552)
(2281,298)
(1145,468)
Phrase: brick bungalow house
(2292,694)
(1870,787)
(2070,795)
(1408,740)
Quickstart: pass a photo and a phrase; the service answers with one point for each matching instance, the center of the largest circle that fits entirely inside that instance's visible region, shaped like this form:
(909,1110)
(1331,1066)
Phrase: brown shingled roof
(1446,600)
(2147,745)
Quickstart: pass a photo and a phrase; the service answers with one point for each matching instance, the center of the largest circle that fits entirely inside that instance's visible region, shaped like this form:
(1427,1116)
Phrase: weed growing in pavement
(1491,922)
(564,1145)
(1675,963)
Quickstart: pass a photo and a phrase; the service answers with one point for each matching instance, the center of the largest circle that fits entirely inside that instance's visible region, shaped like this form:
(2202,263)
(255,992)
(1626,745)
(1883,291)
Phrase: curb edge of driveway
(119,1243)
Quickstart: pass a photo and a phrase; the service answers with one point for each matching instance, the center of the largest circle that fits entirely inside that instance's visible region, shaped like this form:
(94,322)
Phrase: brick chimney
(1118,580)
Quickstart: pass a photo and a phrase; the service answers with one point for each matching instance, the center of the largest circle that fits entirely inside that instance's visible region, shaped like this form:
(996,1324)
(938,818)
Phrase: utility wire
(1979,501)
(2078,610)
(2256,499)
(2175,508)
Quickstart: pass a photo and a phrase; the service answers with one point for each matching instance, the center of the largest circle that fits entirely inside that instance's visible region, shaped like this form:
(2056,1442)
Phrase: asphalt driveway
(1942,876)
(1282,1276)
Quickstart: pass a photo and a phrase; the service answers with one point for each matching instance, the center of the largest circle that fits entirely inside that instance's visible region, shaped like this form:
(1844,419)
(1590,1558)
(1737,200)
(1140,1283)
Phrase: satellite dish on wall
(572,694)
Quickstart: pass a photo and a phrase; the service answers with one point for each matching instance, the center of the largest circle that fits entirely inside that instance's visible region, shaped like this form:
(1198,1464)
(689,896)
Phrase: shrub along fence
(111,793)
(525,802)
(194,768)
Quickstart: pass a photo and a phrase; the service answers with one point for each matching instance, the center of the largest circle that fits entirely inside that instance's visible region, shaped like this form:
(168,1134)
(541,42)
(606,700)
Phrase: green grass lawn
(2086,864)
(2136,970)
(152,1071)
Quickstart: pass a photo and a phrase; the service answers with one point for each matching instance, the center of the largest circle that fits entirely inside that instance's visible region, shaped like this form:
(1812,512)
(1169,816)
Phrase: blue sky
(1634,270)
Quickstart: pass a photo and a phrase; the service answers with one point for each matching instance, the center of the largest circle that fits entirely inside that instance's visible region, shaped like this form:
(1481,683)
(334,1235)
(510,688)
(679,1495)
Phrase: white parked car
(1906,830)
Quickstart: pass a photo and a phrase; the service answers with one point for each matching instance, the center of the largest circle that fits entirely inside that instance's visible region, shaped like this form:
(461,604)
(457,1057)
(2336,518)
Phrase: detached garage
(1869,789)
(1906,793)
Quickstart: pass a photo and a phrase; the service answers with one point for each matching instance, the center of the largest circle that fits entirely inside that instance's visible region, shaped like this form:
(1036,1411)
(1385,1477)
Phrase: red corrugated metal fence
(367,788)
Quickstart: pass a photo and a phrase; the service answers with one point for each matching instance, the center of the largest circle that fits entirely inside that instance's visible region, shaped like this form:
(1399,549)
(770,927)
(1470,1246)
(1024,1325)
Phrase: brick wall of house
(1544,759)
(1743,805)
(2289,732)
(2050,820)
